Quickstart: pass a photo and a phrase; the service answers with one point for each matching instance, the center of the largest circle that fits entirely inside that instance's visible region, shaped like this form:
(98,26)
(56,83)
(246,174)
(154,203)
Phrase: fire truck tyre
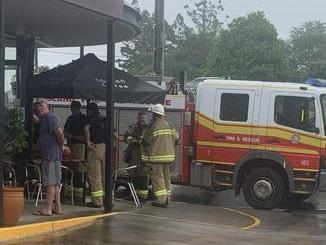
(264,188)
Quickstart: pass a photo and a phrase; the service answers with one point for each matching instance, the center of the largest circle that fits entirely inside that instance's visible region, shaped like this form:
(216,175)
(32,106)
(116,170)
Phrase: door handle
(220,137)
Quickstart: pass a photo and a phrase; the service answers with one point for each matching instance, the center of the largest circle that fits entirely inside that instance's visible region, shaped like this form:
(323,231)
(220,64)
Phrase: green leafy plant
(15,135)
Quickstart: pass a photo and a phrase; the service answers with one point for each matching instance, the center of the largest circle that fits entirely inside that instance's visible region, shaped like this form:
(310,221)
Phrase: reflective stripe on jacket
(159,142)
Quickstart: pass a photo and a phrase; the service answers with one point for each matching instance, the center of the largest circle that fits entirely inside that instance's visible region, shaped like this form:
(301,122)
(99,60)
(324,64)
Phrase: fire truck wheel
(264,188)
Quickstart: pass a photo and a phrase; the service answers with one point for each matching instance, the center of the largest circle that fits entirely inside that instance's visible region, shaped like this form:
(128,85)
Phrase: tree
(307,48)
(193,45)
(185,48)
(204,14)
(41,69)
(138,52)
(249,49)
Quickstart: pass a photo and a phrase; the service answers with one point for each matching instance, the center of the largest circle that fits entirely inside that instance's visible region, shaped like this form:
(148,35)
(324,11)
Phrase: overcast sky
(284,14)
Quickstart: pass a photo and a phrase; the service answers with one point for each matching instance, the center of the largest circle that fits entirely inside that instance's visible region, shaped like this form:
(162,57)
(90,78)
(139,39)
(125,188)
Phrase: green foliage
(204,14)
(15,135)
(185,48)
(250,50)
(307,47)
(138,51)
(41,69)
(193,45)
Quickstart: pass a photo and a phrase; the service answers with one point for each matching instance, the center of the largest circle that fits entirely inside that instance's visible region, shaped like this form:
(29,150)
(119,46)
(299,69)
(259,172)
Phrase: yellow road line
(22,231)
(255,223)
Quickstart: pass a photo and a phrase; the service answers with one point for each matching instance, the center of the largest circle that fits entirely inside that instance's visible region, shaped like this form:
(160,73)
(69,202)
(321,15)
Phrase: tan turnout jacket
(159,142)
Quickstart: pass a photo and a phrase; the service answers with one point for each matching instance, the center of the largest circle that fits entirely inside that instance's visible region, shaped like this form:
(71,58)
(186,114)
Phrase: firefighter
(74,133)
(133,138)
(159,153)
(95,135)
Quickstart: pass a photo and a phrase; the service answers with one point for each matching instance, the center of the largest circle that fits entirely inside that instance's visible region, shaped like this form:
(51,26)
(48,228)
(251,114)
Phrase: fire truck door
(294,132)
(233,121)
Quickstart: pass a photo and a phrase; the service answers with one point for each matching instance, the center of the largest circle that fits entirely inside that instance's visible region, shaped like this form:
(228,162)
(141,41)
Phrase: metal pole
(109,115)
(159,38)
(81,51)
(35,58)
(29,98)
(2,93)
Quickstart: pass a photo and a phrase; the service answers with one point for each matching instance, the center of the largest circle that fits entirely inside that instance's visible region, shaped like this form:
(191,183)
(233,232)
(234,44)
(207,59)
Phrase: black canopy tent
(86,77)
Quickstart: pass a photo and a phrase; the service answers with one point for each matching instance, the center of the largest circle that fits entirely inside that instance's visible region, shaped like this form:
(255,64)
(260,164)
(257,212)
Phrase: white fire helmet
(157,109)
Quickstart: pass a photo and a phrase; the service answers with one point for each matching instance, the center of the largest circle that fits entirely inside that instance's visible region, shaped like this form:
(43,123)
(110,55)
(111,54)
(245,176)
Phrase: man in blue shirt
(51,145)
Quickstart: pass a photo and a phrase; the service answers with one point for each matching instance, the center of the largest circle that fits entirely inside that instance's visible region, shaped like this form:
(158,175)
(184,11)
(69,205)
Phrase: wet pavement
(201,217)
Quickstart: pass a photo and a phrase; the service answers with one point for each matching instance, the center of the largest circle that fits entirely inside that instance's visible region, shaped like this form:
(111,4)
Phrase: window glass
(295,112)
(234,107)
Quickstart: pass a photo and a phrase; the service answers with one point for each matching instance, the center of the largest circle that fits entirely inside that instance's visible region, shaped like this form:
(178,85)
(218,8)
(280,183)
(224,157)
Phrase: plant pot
(13,204)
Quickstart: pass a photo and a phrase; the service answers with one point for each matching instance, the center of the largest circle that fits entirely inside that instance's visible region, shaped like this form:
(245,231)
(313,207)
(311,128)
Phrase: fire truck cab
(266,138)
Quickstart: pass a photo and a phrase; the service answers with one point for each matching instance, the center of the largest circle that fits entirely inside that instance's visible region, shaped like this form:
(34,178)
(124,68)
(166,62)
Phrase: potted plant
(12,197)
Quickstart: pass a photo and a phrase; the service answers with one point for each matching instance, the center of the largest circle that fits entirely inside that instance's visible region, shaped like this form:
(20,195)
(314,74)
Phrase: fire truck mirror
(187,118)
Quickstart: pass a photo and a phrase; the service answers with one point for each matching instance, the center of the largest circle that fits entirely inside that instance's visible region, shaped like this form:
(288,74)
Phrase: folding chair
(33,176)
(126,182)
(67,178)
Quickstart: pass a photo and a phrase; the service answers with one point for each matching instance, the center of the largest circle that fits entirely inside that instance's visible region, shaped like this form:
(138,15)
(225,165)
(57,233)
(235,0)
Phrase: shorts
(51,172)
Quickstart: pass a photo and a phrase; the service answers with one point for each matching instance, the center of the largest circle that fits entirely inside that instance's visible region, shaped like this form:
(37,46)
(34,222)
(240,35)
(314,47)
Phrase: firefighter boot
(78,195)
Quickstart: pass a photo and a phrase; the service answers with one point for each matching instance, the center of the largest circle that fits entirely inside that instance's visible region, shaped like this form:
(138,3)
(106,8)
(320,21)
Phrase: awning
(67,23)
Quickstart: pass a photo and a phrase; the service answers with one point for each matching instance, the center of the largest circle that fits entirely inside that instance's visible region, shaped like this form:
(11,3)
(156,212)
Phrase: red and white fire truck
(265,138)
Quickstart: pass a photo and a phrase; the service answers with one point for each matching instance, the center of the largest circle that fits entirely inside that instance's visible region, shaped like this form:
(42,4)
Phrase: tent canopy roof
(86,78)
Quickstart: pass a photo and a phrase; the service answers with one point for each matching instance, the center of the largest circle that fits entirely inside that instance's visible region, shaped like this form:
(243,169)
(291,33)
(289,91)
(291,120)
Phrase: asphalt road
(200,217)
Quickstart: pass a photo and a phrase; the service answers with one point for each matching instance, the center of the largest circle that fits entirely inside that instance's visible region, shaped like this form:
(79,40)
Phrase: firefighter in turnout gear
(159,152)
(74,133)
(95,134)
(133,137)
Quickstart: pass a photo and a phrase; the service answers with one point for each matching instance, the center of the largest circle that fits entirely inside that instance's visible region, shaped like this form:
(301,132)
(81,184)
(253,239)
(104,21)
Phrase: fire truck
(264,138)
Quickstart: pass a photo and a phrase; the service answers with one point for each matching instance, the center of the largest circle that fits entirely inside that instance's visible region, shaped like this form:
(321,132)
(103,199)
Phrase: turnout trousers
(140,181)
(95,167)
(161,181)
(78,152)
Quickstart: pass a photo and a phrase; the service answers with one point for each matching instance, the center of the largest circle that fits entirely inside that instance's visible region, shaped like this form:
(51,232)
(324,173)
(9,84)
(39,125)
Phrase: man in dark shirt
(74,133)
(51,144)
(95,134)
